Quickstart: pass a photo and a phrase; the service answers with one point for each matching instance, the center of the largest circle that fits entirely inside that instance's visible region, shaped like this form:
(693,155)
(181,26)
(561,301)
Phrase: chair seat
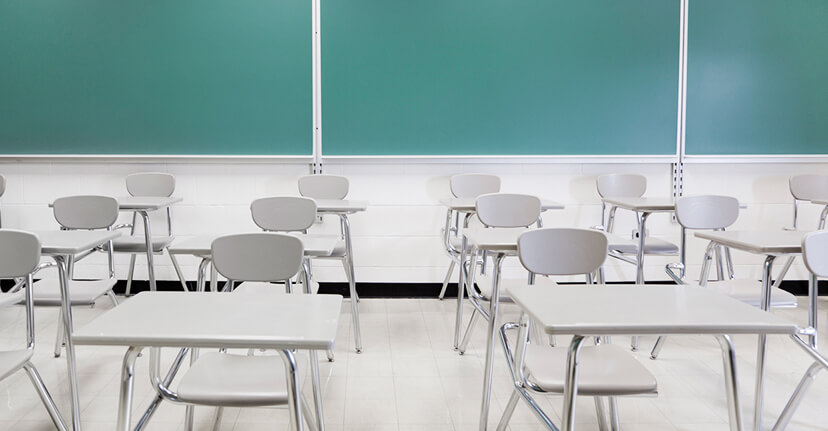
(137,244)
(81,292)
(484,284)
(604,370)
(750,292)
(13,360)
(7,299)
(651,245)
(220,379)
(339,249)
(457,243)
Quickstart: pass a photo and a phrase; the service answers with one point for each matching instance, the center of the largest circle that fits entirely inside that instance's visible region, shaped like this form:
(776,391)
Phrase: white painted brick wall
(397,239)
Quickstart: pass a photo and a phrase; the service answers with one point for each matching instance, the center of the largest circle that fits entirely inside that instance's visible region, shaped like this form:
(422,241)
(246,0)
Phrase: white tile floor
(409,378)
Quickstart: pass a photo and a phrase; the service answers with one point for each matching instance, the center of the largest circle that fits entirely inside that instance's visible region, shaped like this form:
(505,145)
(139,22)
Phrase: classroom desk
(60,246)
(468,206)
(207,320)
(201,246)
(583,311)
(643,207)
(771,244)
(143,205)
(342,209)
(502,243)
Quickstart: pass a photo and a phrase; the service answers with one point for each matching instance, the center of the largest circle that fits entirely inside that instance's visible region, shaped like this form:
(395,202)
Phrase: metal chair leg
(467,335)
(59,335)
(217,418)
(129,274)
(45,397)
(615,425)
(111,295)
(178,272)
(658,346)
(508,411)
(601,413)
(446,280)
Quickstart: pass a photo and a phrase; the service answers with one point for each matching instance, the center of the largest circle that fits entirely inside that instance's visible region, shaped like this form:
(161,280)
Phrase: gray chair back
(323,186)
(562,251)
(19,253)
(86,212)
(815,253)
(156,184)
(284,213)
(2,185)
(263,256)
(809,187)
(621,185)
(508,210)
(473,185)
(707,211)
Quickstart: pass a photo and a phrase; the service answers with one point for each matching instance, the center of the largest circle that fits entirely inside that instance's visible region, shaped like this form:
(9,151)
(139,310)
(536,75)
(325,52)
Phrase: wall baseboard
(400,290)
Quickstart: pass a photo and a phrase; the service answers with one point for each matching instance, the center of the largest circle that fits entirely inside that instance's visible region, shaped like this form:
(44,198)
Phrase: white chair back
(2,185)
(815,253)
(156,184)
(263,256)
(562,251)
(284,213)
(19,253)
(86,212)
(809,187)
(707,211)
(621,185)
(508,210)
(474,185)
(323,186)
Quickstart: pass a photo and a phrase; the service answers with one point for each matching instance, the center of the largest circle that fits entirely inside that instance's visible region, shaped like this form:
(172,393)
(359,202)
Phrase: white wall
(397,239)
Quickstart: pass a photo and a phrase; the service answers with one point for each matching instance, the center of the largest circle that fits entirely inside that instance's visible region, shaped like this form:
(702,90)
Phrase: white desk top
(70,242)
(213,320)
(468,205)
(315,245)
(643,309)
(773,242)
(644,204)
(146,203)
(495,239)
(337,206)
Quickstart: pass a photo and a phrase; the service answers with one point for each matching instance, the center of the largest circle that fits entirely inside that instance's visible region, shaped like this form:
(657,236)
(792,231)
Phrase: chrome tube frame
(571,385)
(731,382)
(127,386)
(761,353)
(66,314)
(490,339)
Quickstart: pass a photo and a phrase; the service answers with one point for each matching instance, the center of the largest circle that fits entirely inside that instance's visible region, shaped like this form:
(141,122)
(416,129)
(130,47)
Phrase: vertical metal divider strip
(678,166)
(316,28)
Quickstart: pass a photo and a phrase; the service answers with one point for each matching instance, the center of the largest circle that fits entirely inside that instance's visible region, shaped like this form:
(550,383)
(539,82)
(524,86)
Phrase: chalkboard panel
(756,79)
(497,77)
(155,77)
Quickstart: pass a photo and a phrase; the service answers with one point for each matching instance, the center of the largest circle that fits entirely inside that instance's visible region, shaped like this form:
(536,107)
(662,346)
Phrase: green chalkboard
(499,77)
(160,77)
(757,78)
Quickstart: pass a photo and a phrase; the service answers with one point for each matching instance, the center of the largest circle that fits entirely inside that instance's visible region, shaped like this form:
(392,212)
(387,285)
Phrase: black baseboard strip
(400,290)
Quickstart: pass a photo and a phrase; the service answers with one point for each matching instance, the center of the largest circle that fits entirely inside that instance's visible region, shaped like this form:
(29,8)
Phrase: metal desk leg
(142,423)
(461,290)
(490,339)
(127,381)
(571,385)
(731,383)
(148,240)
(813,309)
(763,341)
(295,394)
(798,396)
(639,266)
(822,217)
(70,345)
(317,391)
(352,282)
